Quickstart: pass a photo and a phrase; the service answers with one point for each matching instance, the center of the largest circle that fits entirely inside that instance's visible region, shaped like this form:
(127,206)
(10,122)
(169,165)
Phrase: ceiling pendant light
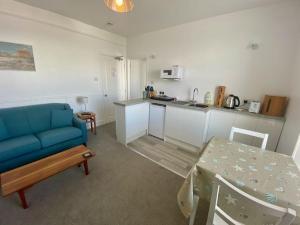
(120,6)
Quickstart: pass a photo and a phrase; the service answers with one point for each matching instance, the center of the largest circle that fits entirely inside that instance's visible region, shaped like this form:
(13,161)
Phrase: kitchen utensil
(232,101)
(274,105)
(220,96)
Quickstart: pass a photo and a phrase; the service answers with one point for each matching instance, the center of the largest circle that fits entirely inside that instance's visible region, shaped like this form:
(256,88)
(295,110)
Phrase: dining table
(266,175)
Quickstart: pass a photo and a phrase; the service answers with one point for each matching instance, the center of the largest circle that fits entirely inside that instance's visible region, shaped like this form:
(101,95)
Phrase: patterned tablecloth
(267,175)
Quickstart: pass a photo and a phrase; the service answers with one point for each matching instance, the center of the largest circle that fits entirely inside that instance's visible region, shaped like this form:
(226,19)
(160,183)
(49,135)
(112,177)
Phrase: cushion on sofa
(16,123)
(61,118)
(3,130)
(58,135)
(39,119)
(16,147)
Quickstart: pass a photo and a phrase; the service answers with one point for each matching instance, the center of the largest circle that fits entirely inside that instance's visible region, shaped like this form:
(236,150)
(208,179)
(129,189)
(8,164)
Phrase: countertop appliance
(163,98)
(254,107)
(157,120)
(231,102)
(274,105)
(174,73)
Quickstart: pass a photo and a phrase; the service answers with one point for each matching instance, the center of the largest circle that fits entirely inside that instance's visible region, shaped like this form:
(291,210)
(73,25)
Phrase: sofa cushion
(61,118)
(58,135)
(16,147)
(25,120)
(39,118)
(3,130)
(16,123)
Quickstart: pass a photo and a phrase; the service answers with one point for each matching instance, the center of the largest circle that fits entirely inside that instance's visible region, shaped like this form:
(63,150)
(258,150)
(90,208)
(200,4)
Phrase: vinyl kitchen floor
(165,154)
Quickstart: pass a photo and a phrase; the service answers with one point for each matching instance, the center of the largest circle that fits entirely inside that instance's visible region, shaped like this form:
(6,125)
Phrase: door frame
(104,82)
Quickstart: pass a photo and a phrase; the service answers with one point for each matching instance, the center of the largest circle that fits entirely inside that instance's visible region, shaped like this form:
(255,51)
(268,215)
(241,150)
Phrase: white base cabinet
(131,122)
(191,128)
(221,122)
(271,127)
(187,127)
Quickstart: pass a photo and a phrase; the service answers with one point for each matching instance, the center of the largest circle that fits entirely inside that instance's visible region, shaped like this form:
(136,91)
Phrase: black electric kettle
(231,102)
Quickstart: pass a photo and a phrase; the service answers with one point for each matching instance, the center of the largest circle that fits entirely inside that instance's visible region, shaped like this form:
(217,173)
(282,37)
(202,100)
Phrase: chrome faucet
(195,90)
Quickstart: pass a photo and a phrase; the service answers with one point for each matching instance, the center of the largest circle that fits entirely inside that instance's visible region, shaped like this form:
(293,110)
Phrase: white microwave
(175,73)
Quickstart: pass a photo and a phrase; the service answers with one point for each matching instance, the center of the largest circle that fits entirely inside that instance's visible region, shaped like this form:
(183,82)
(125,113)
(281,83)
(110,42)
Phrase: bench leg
(86,167)
(23,199)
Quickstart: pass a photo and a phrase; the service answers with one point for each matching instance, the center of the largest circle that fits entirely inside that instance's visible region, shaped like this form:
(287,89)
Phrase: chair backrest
(250,133)
(285,215)
(296,153)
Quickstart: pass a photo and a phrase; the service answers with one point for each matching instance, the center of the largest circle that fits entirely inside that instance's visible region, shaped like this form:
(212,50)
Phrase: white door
(113,85)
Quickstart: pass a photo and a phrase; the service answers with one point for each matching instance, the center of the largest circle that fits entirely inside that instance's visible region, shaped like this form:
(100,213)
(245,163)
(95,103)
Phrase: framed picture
(16,57)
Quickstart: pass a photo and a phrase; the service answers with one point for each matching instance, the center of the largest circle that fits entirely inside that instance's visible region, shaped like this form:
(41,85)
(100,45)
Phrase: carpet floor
(122,188)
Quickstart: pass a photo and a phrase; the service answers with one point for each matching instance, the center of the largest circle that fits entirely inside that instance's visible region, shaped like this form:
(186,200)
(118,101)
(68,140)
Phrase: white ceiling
(148,15)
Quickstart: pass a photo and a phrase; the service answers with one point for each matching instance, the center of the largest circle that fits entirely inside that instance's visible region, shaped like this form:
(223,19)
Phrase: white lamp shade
(83,99)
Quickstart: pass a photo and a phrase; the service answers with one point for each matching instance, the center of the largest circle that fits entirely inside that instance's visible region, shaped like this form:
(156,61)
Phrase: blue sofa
(33,132)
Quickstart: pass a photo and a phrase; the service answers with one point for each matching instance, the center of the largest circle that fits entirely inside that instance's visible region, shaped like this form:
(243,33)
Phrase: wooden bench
(22,178)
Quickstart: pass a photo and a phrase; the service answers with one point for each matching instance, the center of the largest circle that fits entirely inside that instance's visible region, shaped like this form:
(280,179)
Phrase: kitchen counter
(186,106)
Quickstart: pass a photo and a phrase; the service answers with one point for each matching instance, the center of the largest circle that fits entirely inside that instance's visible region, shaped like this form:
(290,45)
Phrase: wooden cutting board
(274,105)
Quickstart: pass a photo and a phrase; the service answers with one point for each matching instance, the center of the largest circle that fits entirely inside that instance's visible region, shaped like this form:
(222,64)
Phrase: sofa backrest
(31,119)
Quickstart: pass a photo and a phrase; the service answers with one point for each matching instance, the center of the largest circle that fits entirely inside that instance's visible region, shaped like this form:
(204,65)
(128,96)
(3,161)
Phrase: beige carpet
(123,188)
(169,156)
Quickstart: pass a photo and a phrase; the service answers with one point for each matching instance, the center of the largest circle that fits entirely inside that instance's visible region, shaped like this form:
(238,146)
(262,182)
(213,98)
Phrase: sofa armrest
(82,126)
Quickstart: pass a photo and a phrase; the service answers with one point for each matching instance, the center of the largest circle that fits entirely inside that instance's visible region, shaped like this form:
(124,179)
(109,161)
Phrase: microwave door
(168,72)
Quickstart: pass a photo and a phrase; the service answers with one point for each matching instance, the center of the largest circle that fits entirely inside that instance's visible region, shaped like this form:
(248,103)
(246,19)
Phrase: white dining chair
(296,153)
(250,133)
(217,216)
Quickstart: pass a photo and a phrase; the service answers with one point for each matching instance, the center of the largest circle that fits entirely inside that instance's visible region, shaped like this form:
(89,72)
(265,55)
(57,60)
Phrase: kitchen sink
(198,105)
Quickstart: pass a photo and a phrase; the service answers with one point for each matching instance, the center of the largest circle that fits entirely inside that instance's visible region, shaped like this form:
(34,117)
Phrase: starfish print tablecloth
(267,175)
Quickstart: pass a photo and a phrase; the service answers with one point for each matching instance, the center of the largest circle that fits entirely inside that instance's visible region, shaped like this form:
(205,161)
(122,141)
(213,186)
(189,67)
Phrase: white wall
(215,52)
(67,55)
(292,126)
